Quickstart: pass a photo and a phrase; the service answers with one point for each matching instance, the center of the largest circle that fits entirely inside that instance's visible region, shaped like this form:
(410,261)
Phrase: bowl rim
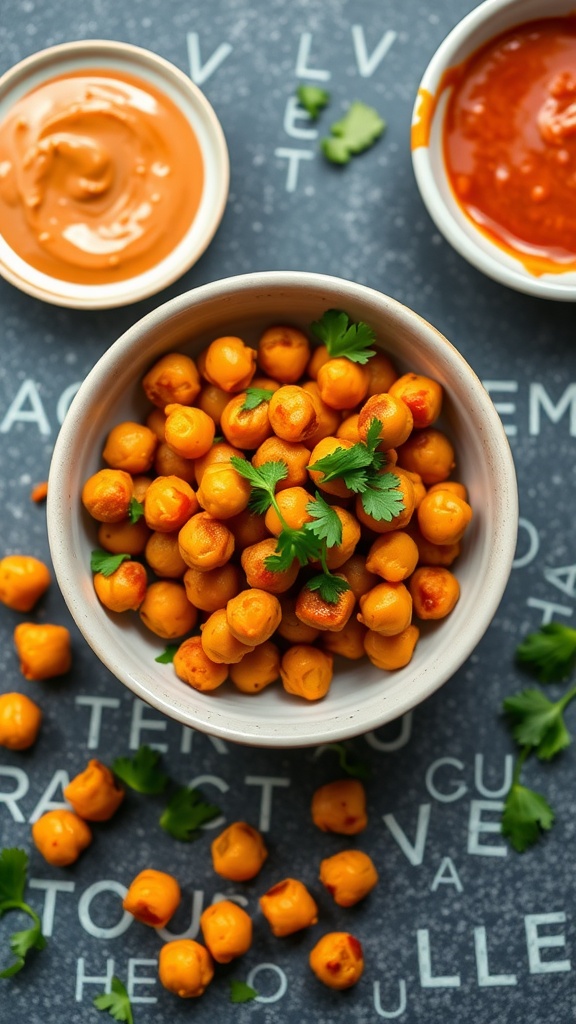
(494,262)
(51,61)
(60,512)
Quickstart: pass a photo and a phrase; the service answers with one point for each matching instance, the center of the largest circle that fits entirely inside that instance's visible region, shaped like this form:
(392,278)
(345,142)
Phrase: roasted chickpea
(253,560)
(320,355)
(329,419)
(253,615)
(394,416)
(212,401)
(348,876)
(205,543)
(258,668)
(434,591)
(433,554)
(450,485)
(288,907)
(152,897)
(212,590)
(283,353)
(218,641)
(393,556)
(130,446)
(140,485)
(219,454)
(227,931)
(230,364)
(327,446)
(405,487)
(314,611)
(44,650)
(360,579)
(348,429)
(428,453)
(296,456)
(166,610)
(291,628)
(247,428)
(223,492)
(418,485)
(169,503)
(94,794)
(61,836)
(124,538)
(189,431)
(422,395)
(106,495)
(391,652)
(247,528)
(163,555)
(39,492)
(23,581)
(387,608)
(342,383)
(292,413)
(443,517)
(337,960)
(381,373)
(167,462)
(348,643)
(340,807)
(124,589)
(306,671)
(156,422)
(239,852)
(293,504)
(193,666)
(185,968)
(174,378)
(20,721)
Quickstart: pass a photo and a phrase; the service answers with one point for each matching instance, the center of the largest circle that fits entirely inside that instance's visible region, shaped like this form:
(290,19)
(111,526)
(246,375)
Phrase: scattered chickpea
(288,907)
(185,968)
(348,876)
(44,650)
(227,931)
(239,852)
(340,807)
(61,836)
(337,960)
(23,581)
(152,897)
(39,492)
(20,721)
(94,794)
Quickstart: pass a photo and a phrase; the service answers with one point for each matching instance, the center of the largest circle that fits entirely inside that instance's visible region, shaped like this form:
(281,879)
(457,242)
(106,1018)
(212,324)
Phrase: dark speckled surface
(460,928)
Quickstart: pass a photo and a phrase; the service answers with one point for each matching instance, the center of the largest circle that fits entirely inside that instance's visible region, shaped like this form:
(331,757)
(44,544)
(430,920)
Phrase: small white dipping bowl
(131,60)
(362,697)
(485,22)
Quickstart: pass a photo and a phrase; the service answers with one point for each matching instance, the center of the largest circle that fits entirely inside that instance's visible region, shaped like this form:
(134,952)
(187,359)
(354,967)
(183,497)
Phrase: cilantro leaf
(382,499)
(313,99)
(326,525)
(135,510)
(105,563)
(22,942)
(262,479)
(538,722)
(141,772)
(343,338)
(349,763)
(291,544)
(13,868)
(116,1002)
(357,131)
(329,587)
(551,652)
(185,813)
(526,815)
(240,992)
(347,464)
(255,397)
(373,440)
(167,656)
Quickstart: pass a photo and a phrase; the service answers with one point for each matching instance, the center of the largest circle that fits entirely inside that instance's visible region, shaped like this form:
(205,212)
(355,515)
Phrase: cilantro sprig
(135,510)
(526,814)
(313,99)
(550,652)
(185,813)
(359,129)
(167,656)
(241,992)
(116,1002)
(255,397)
(343,338)
(13,872)
(141,772)
(347,760)
(105,563)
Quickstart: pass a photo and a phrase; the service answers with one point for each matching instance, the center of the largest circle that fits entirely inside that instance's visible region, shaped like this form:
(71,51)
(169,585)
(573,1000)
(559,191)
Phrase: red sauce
(510,142)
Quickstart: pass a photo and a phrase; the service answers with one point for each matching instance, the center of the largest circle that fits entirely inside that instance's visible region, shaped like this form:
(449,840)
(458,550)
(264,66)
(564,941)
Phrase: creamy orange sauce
(101,176)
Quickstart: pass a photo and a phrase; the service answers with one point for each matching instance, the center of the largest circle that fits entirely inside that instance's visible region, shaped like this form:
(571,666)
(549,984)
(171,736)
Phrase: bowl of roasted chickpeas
(282,509)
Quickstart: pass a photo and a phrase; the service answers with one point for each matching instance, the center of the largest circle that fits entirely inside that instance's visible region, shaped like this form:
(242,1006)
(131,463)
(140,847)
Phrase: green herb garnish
(313,99)
(13,871)
(355,132)
(240,992)
(255,397)
(551,652)
(343,338)
(105,563)
(167,656)
(141,772)
(185,813)
(116,1002)
(135,510)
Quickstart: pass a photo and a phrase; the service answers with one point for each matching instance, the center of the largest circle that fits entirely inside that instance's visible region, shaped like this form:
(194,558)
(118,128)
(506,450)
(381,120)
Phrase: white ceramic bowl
(362,697)
(482,24)
(168,79)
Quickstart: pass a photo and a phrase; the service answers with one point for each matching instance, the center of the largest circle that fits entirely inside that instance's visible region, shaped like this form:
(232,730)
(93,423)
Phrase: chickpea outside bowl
(362,697)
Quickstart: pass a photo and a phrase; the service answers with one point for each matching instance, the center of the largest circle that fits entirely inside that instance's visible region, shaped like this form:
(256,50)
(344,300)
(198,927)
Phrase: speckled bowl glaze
(131,60)
(485,22)
(362,697)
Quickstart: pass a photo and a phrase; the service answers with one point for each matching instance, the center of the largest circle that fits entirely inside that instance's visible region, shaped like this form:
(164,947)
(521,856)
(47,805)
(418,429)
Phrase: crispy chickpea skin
(387,608)
(422,395)
(292,413)
(290,627)
(185,968)
(169,503)
(130,446)
(205,543)
(314,611)
(167,611)
(394,416)
(283,353)
(23,581)
(238,853)
(391,652)
(212,590)
(152,897)
(307,671)
(44,650)
(20,721)
(229,364)
(106,495)
(223,492)
(219,454)
(189,431)
(167,462)
(435,591)
(253,561)
(348,429)
(348,876)
(253,616)
(124,589)
(212,401)
(295,455)
(329,419)
(227,931)
(218,641)
(393,556)
(258,668)
(174,378)
(340,807)
(61,836)
(348,643)
(433,554)
(163,555)
(443,517)
(124,538)
(451,485)
(342,384)
(247,428)
(337,960)
(381,373)
(193,666)
(288,907)
(358,576)
(428,453)
(94,794)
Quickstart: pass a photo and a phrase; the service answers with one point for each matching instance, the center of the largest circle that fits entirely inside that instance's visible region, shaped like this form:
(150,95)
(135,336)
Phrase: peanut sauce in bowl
(113,174)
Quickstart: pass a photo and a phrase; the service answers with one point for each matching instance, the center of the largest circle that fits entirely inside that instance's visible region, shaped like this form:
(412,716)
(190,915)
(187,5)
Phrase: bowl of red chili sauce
(494,143)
